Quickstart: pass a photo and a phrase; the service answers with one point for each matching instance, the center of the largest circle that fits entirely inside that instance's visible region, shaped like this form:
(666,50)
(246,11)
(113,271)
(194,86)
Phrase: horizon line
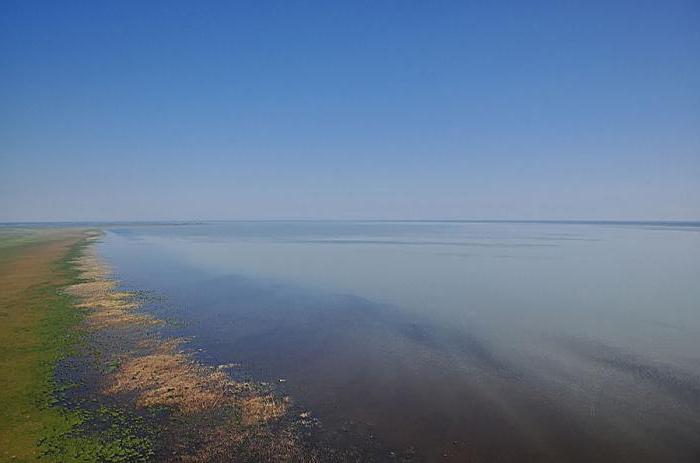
(205,221)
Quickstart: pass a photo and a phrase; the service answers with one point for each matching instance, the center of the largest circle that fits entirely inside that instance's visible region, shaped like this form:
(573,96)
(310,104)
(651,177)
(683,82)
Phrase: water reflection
(558,349)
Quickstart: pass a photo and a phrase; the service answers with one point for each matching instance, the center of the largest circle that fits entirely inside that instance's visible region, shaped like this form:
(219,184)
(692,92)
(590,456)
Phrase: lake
(447,341)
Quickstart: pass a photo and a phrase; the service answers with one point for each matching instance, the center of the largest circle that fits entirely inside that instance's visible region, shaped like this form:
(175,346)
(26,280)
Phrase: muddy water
(449,341)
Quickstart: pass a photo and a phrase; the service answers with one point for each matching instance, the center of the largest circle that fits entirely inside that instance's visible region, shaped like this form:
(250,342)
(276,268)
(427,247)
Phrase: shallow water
(462,341)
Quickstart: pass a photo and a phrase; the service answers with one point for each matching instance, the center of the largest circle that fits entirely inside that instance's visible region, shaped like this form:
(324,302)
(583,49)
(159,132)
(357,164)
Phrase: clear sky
(358,109)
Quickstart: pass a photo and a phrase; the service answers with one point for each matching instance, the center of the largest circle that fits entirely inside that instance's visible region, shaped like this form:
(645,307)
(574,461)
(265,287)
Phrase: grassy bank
(39,325)
(35,329)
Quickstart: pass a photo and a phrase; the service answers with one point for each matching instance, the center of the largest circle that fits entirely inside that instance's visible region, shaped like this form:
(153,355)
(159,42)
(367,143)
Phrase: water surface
(449,340)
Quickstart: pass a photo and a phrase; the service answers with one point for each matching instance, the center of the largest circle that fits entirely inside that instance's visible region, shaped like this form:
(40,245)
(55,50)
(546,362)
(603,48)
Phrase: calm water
(452,341)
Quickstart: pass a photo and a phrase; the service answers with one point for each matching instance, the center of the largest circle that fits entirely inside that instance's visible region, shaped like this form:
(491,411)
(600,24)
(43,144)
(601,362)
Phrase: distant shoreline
(119,223)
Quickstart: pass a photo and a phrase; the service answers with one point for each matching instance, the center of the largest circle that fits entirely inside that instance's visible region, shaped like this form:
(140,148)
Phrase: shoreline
(202,413)
(110,387)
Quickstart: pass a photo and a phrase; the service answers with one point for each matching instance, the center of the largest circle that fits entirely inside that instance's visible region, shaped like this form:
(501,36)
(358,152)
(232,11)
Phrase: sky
(375,109)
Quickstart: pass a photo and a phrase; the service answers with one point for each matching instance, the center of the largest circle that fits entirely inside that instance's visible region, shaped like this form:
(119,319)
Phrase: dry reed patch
(164,346)
(110,318)
(262,409)
(91,268)
(109,308)
(92,291)
(170,379)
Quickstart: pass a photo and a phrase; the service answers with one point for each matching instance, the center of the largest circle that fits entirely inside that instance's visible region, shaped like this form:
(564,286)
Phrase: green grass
(40,325)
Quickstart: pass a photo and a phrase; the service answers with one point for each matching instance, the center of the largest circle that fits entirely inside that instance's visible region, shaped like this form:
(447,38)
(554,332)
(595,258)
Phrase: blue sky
(368,109)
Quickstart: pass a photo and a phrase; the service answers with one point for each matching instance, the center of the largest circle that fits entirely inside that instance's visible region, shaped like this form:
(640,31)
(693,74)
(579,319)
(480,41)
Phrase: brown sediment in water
(215,415)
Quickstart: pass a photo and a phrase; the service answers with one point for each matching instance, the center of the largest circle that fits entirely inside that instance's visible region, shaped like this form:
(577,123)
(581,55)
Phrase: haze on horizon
(387,109)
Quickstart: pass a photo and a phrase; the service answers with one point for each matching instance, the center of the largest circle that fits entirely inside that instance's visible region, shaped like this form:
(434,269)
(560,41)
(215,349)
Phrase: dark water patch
(379,379)
(456,343)
(372,375)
